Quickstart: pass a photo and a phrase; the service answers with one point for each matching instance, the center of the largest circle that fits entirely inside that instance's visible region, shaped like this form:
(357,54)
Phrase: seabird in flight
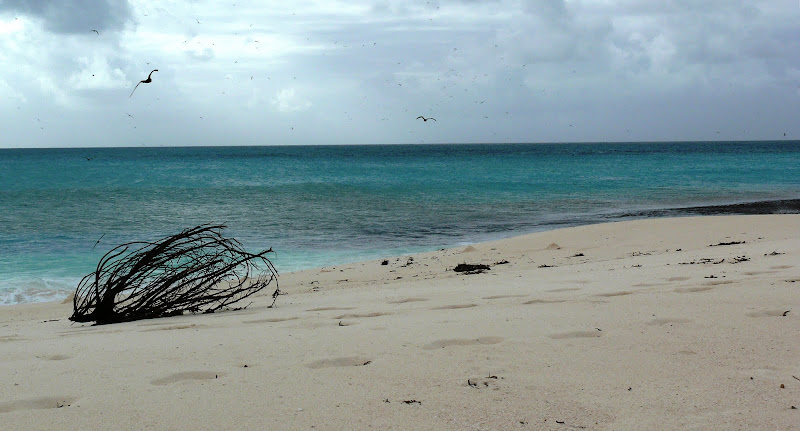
(146,81)
(425,119)
(98,241)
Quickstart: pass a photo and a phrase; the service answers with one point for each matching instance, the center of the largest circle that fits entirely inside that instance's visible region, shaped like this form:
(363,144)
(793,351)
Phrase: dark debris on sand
(471,268)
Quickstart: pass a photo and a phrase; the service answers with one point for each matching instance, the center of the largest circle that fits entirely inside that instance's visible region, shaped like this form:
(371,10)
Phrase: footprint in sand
(758,272)
(693,289)
(440,344)
(767,313)
(406,300)
(271,320)
(612,294)
(718,282)
(187,375)
(564,289)
(677,278)
(543,301)
(666,320)
(83,330)
(176,327)
(356,316)
(348,361)
(454,307)
(164,322)
(37,403)
(504,296)
(649,284)
(577,334)
(331,309)
(55,357)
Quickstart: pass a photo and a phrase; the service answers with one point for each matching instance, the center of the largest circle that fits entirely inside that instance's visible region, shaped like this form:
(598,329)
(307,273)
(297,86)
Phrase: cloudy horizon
(335,72)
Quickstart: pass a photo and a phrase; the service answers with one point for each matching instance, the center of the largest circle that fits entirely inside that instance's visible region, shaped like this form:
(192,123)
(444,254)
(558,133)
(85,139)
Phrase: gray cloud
(327,72)
(74,16)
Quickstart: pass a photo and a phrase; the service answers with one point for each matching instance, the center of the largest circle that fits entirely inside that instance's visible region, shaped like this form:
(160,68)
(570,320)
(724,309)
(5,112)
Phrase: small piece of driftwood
(471,268)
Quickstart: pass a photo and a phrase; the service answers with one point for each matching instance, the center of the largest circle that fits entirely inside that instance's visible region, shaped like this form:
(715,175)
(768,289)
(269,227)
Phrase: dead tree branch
(195,271)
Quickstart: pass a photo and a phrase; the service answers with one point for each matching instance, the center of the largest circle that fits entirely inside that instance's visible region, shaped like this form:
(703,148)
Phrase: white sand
(625,337)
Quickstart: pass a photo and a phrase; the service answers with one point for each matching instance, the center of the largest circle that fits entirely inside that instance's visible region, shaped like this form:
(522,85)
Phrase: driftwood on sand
(196,271)
(471,268)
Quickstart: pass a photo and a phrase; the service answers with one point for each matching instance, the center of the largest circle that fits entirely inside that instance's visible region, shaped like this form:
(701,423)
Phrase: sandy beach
(655,324)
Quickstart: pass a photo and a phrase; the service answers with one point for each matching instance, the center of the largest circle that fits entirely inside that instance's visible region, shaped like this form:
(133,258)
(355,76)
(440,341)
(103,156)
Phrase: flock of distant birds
(150,79)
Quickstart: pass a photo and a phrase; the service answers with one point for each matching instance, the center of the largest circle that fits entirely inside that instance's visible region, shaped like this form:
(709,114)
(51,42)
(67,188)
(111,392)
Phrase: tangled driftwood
(195,271)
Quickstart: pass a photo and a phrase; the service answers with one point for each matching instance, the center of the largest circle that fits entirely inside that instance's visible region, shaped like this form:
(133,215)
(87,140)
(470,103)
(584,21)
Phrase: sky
(302,72)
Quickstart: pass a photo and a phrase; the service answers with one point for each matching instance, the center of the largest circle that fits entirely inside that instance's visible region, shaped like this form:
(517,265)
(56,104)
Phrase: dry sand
(639,325)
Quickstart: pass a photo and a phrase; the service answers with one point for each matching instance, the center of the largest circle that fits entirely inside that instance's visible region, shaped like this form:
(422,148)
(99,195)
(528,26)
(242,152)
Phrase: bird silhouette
(145,81)
(425,119)
(98,33)
(98,241)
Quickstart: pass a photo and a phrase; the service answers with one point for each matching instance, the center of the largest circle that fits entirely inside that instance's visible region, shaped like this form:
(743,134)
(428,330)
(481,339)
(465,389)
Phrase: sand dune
(686,323)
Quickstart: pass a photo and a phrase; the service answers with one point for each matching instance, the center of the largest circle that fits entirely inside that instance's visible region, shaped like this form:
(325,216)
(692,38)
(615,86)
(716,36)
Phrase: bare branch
(195,271)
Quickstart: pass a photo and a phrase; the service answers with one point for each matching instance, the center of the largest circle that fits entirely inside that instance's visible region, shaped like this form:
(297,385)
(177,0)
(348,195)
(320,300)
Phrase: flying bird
(146,81)
(98,241)
(425,119)
(98,33)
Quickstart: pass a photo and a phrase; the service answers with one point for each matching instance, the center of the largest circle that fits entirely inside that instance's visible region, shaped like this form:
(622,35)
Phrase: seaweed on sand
(196,271)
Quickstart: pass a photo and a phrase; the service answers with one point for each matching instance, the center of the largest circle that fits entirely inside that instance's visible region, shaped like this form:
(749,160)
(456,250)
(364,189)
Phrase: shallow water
(322,205)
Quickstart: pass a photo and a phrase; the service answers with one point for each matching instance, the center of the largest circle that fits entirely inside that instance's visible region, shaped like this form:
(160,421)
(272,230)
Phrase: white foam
(20,291)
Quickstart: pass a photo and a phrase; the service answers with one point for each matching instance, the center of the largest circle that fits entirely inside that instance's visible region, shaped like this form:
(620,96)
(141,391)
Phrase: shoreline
(759,207)
(660,323)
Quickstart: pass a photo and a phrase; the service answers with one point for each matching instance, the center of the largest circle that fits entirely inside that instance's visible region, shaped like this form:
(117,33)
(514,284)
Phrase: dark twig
(727,243)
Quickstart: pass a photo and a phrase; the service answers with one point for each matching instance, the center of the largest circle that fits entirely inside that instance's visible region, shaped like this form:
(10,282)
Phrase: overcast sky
(240,72)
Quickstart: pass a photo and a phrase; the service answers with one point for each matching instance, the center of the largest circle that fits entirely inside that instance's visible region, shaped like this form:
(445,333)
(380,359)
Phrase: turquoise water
(322,205)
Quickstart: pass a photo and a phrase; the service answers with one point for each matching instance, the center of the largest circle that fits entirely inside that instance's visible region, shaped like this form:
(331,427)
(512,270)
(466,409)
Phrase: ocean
(327,205)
